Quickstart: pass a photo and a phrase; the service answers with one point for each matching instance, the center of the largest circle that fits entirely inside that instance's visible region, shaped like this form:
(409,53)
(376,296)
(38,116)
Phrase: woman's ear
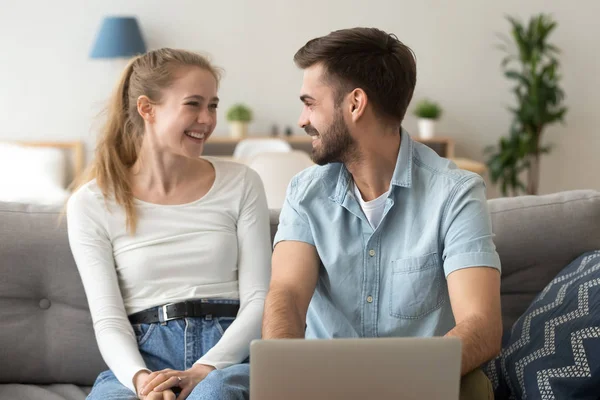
(145,108)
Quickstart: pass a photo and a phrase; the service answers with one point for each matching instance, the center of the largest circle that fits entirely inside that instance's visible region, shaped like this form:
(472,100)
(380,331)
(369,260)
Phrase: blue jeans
(178,345)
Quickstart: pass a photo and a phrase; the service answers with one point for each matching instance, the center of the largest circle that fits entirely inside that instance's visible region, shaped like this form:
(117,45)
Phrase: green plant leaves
(534,70)
(428,109)
(239,112)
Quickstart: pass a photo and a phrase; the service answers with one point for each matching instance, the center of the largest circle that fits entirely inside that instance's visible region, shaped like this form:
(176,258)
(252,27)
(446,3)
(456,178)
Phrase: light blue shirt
(390,281)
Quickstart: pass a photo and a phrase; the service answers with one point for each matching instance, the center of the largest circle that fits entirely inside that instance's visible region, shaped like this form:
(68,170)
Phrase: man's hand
(160,381)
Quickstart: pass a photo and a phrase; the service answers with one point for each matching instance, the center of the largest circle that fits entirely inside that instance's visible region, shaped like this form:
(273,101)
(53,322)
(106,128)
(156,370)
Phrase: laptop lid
(383,368)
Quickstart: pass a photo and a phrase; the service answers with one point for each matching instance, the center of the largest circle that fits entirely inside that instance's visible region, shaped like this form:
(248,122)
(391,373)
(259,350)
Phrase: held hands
(164,395)
(161,382)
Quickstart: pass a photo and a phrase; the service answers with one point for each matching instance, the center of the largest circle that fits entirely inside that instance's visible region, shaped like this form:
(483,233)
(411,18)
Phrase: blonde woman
(173,249)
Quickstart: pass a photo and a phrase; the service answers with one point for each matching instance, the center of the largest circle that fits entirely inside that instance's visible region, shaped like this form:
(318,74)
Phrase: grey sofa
(47,345)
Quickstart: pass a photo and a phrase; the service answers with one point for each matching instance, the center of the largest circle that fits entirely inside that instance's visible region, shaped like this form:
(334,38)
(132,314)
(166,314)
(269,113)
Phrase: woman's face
(187,113)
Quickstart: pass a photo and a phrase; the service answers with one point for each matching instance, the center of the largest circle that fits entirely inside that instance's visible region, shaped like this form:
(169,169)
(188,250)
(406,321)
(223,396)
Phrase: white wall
(50,88)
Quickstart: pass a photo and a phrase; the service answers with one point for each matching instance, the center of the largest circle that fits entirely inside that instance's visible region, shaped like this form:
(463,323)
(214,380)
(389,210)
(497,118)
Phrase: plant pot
(426,128)
(238,129)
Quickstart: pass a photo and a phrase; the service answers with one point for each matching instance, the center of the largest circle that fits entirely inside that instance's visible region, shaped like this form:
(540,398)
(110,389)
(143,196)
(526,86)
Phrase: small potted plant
(238,116)
(428,112)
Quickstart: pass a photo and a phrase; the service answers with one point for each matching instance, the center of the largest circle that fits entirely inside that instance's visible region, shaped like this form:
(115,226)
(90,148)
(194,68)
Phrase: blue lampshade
(118,37)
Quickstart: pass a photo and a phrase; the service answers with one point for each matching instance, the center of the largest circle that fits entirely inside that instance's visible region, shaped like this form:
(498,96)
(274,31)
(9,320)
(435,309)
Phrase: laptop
(386,368)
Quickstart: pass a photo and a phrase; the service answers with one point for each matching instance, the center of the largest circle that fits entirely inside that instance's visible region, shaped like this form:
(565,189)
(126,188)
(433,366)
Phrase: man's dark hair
(369,59)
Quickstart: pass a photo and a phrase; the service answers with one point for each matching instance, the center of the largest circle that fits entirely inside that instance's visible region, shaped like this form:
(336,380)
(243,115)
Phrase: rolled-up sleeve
(467,227)
(293,222)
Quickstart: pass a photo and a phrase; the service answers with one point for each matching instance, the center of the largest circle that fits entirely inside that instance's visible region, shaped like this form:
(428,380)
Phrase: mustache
(310,130)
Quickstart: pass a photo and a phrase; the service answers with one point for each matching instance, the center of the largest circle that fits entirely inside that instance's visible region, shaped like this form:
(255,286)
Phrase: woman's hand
(167,378)
(139,381)
(164,395)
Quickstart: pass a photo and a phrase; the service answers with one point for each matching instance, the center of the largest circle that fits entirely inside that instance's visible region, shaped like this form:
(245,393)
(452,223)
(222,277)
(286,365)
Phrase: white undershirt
(215,247)
(373,209)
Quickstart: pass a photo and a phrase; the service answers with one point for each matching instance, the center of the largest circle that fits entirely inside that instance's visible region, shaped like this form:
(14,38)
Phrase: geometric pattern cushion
(553,350)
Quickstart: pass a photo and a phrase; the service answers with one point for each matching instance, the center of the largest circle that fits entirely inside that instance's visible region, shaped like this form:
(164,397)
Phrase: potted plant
(239,116)
(428,113)
(533,67)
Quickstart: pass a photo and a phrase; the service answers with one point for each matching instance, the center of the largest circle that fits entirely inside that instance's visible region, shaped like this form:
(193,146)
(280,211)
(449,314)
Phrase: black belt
(185,309)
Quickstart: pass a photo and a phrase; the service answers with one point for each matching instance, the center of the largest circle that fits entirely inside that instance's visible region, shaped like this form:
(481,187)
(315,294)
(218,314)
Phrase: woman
(173,249)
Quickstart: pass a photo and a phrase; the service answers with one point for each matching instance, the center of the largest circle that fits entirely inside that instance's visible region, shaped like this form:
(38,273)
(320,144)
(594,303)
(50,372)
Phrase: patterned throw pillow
(553,351)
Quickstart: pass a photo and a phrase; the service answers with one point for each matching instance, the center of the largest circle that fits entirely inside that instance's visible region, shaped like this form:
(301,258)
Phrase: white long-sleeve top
(215,247)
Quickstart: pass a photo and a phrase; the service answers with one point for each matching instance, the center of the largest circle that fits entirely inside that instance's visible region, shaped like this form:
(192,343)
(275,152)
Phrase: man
(384,238)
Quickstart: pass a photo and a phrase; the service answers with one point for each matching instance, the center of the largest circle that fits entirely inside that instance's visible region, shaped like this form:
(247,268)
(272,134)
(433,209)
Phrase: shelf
(223,145)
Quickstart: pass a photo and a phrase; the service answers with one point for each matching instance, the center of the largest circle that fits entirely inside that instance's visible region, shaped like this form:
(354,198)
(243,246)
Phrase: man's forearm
(481,341)
(282,319)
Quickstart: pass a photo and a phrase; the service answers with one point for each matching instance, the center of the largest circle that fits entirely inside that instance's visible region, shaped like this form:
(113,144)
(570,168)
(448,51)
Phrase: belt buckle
(163,317)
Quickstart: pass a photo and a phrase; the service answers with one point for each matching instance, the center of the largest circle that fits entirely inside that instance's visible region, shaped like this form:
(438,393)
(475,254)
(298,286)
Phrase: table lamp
(118,37)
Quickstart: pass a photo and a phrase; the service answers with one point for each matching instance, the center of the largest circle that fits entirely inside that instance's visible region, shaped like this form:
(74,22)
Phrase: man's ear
(358,103)
(145,108)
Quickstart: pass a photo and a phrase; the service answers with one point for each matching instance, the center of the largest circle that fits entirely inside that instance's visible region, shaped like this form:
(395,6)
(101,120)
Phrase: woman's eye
(193,104)
(213,106)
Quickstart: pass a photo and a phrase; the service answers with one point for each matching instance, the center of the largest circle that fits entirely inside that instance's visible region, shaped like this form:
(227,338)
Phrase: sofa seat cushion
(13,391)
(553,350)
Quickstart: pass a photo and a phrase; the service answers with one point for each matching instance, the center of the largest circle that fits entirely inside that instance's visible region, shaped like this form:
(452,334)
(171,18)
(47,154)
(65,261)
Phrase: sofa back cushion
(536,236)
(46,334)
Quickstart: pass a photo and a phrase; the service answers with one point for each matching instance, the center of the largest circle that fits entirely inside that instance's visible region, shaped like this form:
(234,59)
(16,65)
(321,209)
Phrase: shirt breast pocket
(418,287)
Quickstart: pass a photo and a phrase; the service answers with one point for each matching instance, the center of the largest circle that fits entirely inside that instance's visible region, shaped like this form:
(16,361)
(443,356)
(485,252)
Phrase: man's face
(323,119)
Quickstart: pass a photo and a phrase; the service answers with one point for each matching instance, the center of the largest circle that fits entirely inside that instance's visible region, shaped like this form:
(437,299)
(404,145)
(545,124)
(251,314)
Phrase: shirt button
(371,252)
(369,299)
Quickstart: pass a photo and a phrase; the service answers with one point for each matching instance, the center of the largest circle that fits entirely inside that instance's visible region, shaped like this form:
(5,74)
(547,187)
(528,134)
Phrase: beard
(336,143)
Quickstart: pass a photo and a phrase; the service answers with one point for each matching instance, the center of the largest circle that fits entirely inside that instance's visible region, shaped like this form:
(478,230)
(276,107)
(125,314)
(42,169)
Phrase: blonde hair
(119,142)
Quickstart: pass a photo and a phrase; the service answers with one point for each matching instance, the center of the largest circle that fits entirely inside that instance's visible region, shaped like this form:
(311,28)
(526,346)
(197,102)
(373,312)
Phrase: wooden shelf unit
(224,146)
